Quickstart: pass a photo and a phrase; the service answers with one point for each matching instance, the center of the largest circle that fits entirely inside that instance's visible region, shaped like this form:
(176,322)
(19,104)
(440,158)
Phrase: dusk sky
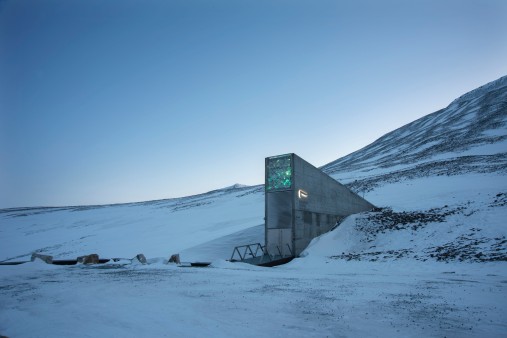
(121,101)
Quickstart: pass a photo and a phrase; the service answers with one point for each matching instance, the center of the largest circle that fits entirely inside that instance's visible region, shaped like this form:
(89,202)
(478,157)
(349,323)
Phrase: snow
(430,263)
(315,295)
(436,191)
(305,298)
(155,229)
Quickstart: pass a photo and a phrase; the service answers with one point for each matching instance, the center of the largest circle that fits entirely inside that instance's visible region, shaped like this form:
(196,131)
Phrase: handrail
(247,250)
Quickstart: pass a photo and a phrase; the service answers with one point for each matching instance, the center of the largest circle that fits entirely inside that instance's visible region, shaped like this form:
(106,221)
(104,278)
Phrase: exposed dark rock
(141,258)
(385,219)
(175,259)
(468,248)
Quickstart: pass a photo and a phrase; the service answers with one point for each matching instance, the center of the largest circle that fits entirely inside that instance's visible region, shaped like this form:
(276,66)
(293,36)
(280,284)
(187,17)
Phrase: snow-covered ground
(157,228)
(315,298)
(431,261)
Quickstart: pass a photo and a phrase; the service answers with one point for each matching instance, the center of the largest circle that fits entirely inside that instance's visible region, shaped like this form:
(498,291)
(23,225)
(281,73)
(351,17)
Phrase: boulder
(88,259)
(45,258)
(175,259)
(140,257)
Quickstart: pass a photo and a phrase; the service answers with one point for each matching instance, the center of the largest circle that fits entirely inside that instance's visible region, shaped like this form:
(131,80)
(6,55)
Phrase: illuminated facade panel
(279,173)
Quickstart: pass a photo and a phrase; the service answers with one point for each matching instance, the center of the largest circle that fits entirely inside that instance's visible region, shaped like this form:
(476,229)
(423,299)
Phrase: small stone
(45,258)
(88,259)
(175,259)
(140,257)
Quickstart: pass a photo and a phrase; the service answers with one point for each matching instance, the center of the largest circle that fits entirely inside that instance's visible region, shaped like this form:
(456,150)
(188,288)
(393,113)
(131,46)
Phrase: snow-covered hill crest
(470,135)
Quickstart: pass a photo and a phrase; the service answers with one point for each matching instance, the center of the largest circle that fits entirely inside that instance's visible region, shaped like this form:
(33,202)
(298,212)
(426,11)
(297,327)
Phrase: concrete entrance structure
(302,203)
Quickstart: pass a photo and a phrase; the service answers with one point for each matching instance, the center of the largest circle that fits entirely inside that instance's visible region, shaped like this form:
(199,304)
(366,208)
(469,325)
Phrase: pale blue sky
(118,101)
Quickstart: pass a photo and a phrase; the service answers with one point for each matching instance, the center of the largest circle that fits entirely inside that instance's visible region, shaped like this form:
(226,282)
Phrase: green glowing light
(279,173)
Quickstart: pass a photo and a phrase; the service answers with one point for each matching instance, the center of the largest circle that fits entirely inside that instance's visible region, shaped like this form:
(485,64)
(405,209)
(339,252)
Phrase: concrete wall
(279,222)
(326,202)
(309,207)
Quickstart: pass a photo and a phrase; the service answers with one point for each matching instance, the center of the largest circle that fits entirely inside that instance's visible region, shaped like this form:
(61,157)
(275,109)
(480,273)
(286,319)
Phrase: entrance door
(279,223)
(280,242)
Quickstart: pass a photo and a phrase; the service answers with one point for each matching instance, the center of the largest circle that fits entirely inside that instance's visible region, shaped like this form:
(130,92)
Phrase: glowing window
(279,173)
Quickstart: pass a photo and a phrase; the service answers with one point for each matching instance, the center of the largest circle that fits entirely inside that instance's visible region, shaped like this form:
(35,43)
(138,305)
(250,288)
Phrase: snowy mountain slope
(470,135)
(431,262)
(457,218)
(442,182)
(155,228)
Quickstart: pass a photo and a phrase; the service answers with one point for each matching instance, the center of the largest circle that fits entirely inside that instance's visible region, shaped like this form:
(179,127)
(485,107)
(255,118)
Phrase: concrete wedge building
(301,203)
